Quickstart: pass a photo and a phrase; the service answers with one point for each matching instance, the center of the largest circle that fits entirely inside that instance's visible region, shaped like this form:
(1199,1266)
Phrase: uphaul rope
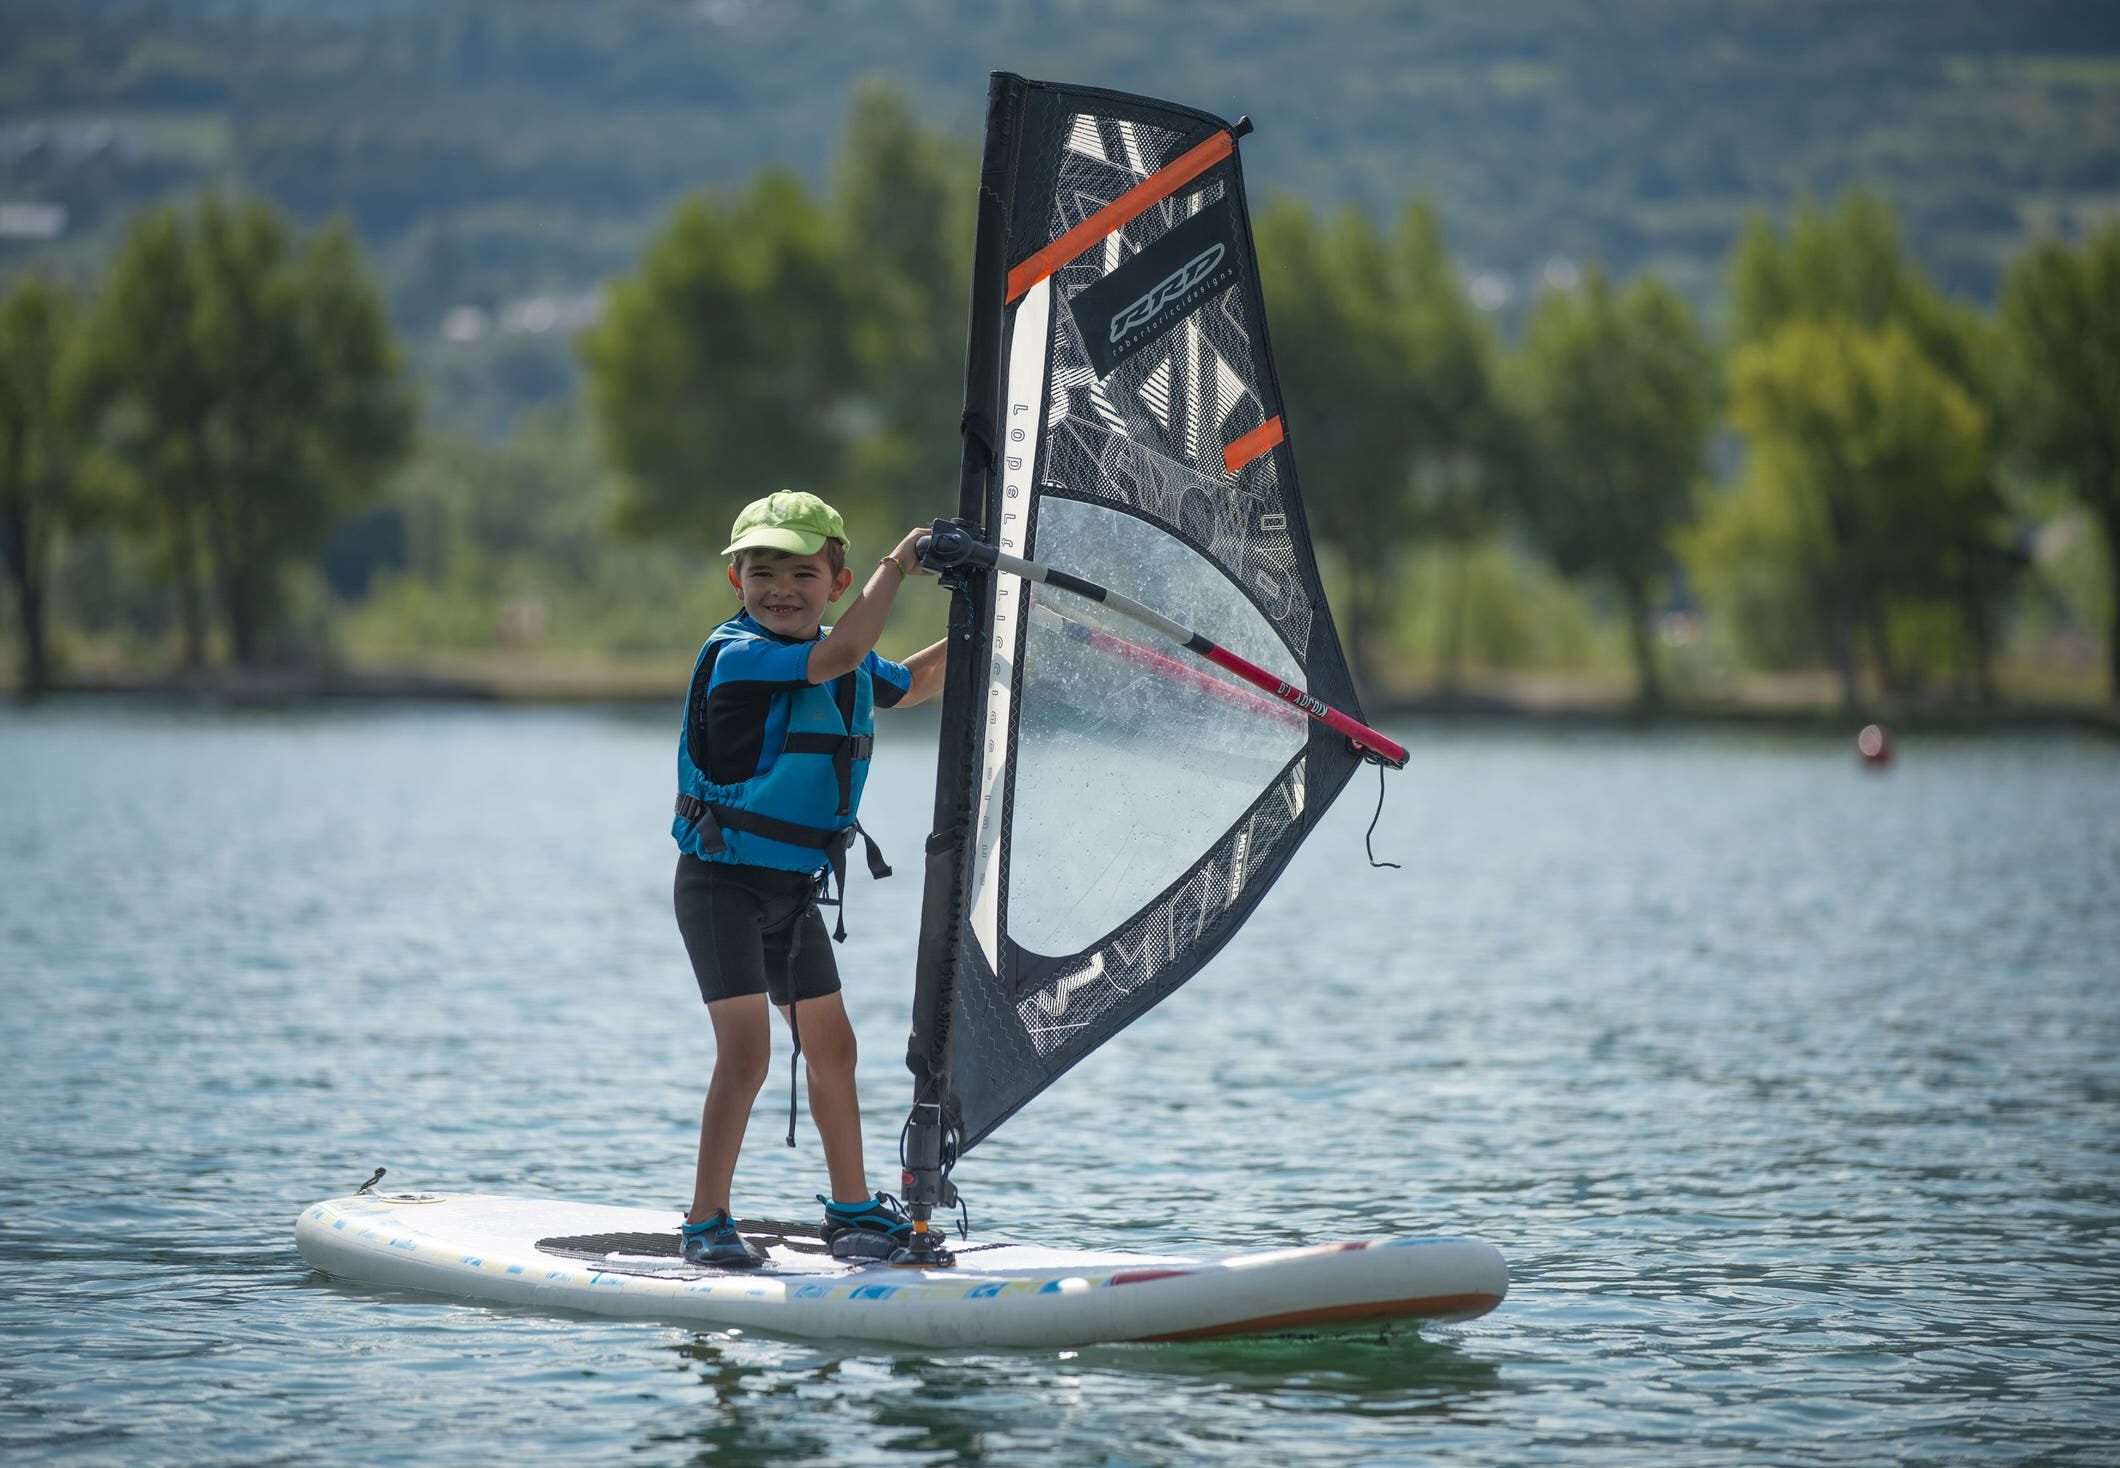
(949,545)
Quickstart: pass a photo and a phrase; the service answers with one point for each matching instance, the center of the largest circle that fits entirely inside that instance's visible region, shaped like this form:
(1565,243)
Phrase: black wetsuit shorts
(753,930)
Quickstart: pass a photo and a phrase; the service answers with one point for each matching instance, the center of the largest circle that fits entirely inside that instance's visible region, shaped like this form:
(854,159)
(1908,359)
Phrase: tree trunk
(1356,625)
(1648,692)
(1450,632)
(36,654)
(1369,604)
(232,581)
(1979,634)
(2111,520)
(1842,632)
(1881,646)
(191,608)
(26,570)
(1842,612)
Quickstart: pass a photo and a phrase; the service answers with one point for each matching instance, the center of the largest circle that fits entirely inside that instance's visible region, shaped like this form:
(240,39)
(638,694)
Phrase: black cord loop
(1366,835)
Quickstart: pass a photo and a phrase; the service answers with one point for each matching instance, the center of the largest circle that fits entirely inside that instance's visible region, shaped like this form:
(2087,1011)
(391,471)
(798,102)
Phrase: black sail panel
(1109,808)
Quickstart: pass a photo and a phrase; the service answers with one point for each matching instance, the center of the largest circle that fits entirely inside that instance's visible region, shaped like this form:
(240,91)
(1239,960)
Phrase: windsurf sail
(1109,808)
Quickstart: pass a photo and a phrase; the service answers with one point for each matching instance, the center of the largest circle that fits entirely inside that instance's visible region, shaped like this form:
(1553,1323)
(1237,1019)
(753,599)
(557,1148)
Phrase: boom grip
(951,543)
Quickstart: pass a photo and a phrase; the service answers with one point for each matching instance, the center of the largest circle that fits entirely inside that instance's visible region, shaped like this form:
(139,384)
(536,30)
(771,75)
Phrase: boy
(770,765)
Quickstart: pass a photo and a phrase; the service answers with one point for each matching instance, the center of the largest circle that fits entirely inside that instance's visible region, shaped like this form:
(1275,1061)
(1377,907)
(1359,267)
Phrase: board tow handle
(949,544)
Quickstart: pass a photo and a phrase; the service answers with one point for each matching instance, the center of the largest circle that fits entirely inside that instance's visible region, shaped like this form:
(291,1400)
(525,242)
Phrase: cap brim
(776,537)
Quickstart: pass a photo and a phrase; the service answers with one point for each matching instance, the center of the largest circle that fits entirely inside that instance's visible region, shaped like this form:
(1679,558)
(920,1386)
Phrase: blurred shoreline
(1800,702)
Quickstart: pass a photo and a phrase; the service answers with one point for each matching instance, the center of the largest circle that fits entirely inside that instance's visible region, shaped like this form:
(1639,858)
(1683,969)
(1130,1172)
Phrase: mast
(928,1148)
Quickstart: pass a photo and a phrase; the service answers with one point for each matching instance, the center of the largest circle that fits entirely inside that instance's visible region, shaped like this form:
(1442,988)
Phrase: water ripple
(1792,1097)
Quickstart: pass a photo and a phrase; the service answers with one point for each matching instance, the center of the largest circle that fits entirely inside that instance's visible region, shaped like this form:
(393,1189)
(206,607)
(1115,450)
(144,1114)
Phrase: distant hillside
(504,157)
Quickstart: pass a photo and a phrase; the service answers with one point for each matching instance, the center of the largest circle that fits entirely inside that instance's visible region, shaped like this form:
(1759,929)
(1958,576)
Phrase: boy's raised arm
(854,634)
(926,666)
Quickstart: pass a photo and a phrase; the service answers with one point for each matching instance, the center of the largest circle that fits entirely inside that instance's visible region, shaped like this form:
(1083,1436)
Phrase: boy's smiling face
(788,594)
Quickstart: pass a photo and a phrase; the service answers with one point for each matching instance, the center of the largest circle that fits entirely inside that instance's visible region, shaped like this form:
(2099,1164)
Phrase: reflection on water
(1109,1403)
(1788,1093)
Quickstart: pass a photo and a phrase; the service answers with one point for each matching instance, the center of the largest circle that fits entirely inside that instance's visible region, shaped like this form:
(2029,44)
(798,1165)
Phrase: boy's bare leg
(743,1040)
(828,1057)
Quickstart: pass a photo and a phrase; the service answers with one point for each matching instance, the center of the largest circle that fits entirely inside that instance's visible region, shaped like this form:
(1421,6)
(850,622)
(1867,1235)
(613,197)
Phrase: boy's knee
(832,1053)
(742,1067)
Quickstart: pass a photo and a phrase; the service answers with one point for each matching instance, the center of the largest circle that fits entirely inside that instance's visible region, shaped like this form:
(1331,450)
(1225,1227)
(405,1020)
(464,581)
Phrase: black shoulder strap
(845,693)
(696,705)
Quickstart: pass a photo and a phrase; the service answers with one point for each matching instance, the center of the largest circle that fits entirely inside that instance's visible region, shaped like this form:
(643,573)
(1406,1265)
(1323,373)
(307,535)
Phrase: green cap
(789,521)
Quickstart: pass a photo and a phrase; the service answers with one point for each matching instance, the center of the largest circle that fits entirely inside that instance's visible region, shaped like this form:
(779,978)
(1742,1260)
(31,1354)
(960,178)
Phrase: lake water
(1791,1094)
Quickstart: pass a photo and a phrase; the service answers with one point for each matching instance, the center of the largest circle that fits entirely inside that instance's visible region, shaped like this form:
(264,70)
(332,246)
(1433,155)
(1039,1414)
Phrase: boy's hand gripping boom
(949,546)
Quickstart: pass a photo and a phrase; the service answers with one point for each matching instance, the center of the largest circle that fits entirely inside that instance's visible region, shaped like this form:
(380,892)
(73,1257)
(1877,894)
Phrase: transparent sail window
(1134,756)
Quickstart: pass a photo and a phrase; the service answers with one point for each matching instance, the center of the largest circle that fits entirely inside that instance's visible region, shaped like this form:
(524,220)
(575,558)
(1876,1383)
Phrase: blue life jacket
(798,816)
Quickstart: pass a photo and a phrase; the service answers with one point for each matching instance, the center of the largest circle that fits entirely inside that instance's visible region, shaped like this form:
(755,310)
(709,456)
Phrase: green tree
(145,368)
(2061,315)
(1882,459)
(308,413)
(1849,264)
(1447,402)
(721,369)
(41,449)
(1845,268)
(1328,297)
(256,399)
(1618,395)
(901,214)
(1389,378)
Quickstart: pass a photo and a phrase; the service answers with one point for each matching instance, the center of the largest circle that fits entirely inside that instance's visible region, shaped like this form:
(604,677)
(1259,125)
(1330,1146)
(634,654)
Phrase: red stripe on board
(1137,1276)
(1448,1306)
(1248,446)
(1157,187)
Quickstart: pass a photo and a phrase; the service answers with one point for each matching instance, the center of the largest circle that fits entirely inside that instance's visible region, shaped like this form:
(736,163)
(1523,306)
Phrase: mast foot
(924,1250)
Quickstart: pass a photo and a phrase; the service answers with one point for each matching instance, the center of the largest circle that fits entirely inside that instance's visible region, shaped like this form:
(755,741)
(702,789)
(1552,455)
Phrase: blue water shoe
(715,1243)
(876,1229)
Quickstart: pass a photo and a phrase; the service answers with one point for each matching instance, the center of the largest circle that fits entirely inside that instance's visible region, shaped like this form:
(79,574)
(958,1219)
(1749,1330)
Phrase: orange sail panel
(1157,187)
(1246,447)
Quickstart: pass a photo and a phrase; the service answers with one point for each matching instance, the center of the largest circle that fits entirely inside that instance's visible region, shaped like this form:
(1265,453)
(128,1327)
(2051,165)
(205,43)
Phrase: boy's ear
(735,580)
(841,582)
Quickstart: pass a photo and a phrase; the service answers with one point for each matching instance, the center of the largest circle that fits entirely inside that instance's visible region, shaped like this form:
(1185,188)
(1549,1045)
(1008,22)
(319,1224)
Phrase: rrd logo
(1171,288)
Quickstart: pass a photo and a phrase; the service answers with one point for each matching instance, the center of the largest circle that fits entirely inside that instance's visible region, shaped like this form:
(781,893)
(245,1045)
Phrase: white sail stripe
(1023,403)
(1230,388)
(1051,1001)
(1194,430)
(1130,135)
(1101,400)
(1083,137)
(1155,392)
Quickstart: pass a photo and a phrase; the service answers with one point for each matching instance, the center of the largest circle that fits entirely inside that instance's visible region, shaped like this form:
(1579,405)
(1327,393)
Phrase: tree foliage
(239,402)
(42,444)
(2061,315)
(254,397)
(144,366)
(721,369)
(489,152)
(1617,393)
(1822,315)
(1389,375)
(902,213)
(1884,461)
(777,341)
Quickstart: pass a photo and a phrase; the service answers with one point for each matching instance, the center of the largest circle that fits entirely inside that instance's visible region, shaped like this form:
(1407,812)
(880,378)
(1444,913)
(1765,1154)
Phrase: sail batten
(1116,808)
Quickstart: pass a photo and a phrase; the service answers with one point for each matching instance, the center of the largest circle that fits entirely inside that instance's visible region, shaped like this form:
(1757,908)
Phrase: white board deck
(554,1254)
